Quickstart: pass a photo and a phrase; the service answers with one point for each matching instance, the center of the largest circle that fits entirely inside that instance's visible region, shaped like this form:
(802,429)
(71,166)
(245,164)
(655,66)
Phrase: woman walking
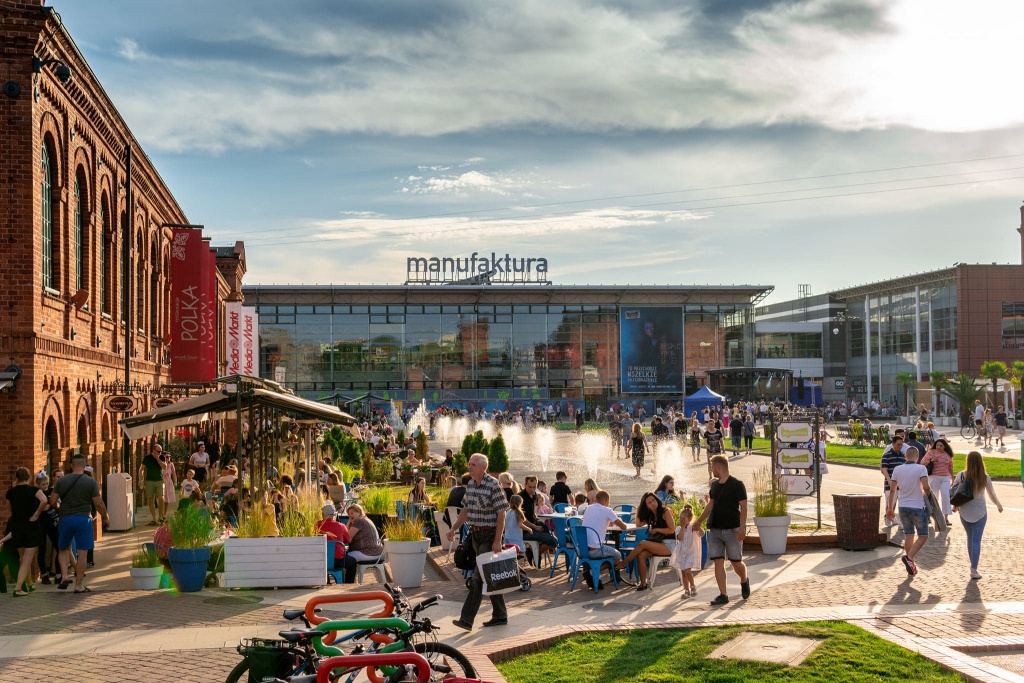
(27,505)
(200,463)
(940,474)
(973,514)
(170,498)
(695,437)
(638,447)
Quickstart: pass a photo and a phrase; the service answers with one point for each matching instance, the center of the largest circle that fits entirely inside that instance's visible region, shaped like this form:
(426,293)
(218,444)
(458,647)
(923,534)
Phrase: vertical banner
(250,342)
(210,339)
(651,349)
(233,351)
(190,306)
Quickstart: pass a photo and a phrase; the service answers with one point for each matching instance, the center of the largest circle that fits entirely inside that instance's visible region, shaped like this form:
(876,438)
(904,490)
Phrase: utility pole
(126,271)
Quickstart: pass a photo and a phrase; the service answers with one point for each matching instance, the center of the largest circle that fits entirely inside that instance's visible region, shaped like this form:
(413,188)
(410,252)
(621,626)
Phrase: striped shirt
(485,502)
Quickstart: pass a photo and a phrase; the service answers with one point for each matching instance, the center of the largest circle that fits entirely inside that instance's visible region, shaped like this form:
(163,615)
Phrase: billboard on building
(242,340)
(193,312)
(651,349)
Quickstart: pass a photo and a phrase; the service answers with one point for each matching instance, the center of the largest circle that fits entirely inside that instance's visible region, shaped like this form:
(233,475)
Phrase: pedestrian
(167,497)
(940,457)
(27,506)
(151,476)
(637,447)
(892,457)
(686,555)
(909,483)
(726,513)
(77,494)
(485,508)
(200,462)
(47,531)
(748,433)
(974,513)
(1000,423)
(695,437)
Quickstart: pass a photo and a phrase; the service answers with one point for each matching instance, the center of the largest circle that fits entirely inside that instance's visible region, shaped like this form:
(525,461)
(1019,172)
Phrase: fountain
(395,419)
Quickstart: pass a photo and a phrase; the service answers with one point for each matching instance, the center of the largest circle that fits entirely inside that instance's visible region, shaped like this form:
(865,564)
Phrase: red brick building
(70,289)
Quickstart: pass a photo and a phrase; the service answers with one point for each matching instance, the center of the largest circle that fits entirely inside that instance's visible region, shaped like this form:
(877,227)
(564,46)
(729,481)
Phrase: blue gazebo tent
(700,399)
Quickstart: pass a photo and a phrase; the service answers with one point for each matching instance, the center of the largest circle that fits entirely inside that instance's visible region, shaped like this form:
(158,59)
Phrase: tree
(1017,375)
(905,380)
(994,370)
(498,458)
(939,381)
(422,449)
(965,391)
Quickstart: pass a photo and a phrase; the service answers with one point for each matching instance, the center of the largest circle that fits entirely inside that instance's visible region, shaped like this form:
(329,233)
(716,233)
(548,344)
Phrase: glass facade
(441,349)
(789,345)
(1013,325)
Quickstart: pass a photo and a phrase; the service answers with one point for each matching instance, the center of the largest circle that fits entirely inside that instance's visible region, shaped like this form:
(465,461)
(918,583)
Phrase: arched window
(154,287)
(46,211)
(79,265)
(104,230)
(140,282)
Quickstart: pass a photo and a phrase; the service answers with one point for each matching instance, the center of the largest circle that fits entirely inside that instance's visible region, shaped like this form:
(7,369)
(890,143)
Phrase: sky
(767,142)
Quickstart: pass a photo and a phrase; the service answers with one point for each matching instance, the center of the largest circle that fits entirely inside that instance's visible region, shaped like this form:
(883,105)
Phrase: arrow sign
(795,459)
(797,485)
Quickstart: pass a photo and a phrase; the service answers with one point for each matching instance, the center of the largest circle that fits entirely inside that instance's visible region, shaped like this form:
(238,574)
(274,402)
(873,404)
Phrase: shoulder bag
(962,491)
(465,555)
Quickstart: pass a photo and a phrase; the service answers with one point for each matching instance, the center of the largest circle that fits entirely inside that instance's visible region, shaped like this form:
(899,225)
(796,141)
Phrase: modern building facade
(490,343)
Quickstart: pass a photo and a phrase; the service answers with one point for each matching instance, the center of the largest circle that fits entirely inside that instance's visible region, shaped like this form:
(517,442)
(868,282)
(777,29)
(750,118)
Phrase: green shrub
(376,500)
(498,457)
(769,501)
(145,559)
(400,438)
(191,527)
(422,450)
(467,446)
(406,530)
(460,463)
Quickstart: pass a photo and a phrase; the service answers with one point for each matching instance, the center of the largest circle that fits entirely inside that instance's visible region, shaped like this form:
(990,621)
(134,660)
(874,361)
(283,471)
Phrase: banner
(233,338)
(210,337)
(651,349)
(250,365)
(192,310)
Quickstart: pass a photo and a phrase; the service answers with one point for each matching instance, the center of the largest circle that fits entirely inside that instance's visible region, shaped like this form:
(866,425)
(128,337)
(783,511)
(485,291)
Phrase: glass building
(452,343)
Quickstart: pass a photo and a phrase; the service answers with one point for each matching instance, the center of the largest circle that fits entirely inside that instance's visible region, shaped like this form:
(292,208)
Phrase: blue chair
(580,536)
(338,574)
(400,510)
(355,482)
(560,508)
(625,512)
(563,547)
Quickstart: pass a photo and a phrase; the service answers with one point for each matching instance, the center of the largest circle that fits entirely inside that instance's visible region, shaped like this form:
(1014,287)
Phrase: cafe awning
(218,404)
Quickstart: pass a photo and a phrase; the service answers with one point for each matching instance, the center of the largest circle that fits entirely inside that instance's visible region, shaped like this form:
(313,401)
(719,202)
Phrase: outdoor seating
(337,574)
(625,512)
(630,543)
(655,563)
(376,565)
(563,547)
(580,537)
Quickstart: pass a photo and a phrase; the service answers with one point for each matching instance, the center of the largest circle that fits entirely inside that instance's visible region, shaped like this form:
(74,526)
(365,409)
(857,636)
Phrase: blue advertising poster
(651,349)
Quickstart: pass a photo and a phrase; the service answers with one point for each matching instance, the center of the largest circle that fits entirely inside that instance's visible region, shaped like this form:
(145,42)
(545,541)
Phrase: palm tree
(939,381)
(965,391)
(994,370)
(1017,376)
(905,380)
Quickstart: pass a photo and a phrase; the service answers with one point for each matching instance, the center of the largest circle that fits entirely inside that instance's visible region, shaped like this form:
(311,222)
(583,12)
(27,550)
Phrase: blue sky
(829,142)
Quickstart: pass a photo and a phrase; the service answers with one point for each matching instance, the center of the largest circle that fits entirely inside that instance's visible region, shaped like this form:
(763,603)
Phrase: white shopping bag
(499,571)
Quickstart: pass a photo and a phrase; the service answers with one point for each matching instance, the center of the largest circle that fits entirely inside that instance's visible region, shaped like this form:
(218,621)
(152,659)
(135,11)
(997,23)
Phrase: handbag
(961,492)
(499,572)
(465,555)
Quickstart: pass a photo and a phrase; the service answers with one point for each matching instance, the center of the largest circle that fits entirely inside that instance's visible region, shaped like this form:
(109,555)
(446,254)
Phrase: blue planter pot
(704,550)
(188,566)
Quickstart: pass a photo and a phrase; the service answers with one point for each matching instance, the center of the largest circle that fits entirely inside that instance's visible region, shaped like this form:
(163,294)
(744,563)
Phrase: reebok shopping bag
(499,571)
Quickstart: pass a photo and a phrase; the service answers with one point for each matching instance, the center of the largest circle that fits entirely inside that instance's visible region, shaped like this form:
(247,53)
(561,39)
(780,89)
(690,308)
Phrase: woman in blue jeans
(973,514)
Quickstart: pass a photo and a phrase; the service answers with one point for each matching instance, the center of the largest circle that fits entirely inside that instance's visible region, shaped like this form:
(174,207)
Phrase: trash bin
(857,520)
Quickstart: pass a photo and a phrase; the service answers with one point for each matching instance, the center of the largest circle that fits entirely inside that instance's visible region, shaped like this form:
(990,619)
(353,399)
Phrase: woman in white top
(974,514)
(200,462)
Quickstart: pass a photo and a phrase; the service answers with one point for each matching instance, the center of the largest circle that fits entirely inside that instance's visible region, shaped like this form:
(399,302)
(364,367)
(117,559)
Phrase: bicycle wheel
(240,674)
(967,431)
(445,661)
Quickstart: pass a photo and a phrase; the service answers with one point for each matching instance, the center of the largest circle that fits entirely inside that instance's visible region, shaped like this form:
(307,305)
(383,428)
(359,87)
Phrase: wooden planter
(275,562)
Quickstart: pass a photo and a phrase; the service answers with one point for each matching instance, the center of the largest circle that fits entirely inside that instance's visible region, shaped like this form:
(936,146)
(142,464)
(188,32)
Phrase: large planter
(773,532)
(442,529)
(407,560)
(188,567)
(147,578)
(275,562)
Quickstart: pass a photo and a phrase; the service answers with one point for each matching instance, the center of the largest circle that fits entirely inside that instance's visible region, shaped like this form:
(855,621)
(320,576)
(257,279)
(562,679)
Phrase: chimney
(1021,231)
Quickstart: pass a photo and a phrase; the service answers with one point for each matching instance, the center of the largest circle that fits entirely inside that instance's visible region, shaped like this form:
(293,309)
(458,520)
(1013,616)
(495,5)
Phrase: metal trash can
(857,520)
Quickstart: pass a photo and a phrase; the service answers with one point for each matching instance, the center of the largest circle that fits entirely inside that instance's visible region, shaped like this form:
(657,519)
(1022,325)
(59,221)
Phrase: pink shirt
(943,462)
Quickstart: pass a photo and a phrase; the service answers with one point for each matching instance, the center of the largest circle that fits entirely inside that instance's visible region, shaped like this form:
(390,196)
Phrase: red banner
(193,314)
(211,301)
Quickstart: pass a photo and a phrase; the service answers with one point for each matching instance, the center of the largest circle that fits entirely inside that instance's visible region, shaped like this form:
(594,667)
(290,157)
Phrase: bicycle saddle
(300,634)
(293,614)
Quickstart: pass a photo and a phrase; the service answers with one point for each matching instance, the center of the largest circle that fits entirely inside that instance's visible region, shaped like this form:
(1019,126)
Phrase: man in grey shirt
(77,493)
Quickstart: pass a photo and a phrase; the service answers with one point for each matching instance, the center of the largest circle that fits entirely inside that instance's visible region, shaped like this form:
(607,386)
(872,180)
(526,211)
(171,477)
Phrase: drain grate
(613,606)
(234,600)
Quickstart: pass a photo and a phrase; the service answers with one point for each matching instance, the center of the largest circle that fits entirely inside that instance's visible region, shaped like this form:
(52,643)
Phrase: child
(189,484)
(540,503)
(686,554)
(515,523)
(581,503)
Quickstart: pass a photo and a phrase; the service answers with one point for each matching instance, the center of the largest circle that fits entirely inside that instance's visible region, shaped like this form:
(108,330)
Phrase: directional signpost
(797,485)
(795,459)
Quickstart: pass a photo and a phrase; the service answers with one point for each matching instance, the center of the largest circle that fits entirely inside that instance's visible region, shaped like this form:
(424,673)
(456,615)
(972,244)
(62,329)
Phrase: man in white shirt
(979,415)
(909,482)
(598,516)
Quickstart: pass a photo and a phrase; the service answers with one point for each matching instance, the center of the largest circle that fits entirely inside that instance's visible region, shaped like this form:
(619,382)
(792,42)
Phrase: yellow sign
(795,431)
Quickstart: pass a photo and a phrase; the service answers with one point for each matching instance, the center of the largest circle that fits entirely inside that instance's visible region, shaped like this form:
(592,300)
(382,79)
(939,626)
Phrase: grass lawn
(658,656)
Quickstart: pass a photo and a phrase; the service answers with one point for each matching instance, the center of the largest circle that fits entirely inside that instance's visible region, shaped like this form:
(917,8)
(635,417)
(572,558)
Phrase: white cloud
(129,49)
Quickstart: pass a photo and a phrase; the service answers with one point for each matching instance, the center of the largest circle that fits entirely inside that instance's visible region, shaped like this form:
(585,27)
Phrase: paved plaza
(974,627)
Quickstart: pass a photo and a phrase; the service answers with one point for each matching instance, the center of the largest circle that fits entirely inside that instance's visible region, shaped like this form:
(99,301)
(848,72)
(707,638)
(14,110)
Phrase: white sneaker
(975,575)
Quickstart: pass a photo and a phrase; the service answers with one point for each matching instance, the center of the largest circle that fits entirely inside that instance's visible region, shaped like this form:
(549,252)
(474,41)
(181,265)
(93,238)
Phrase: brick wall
(981,291)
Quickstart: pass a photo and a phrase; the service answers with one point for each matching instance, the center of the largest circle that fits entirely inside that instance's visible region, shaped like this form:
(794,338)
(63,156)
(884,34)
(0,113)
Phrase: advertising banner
(233,338)
(651,349)
(210,303)
(191,308)
(250,342)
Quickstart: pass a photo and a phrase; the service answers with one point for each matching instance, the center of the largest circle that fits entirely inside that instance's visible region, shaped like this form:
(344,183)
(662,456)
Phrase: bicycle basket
(268,659)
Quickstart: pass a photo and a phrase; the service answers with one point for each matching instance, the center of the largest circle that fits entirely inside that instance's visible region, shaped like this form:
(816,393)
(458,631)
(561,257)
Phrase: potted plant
(407,551)
(290,555)
(407,473)
(146,570)
(377,503)
(191,532)
(770,513)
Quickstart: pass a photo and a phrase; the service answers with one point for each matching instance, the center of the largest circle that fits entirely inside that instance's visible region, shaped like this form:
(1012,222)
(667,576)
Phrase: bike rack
(371,661)
(385,597)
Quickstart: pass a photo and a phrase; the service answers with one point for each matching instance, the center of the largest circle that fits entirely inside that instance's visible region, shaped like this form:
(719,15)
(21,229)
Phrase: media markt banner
(651,349)
(242,340)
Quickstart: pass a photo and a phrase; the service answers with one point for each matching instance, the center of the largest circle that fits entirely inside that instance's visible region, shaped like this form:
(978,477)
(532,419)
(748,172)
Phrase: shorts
(1001,431)
(916,519)
(722,543)
(735,442)
(77,527)
(154,489)
(24,535)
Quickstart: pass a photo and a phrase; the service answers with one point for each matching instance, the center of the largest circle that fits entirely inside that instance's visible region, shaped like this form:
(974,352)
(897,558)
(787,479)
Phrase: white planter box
(275,562)
(772,532)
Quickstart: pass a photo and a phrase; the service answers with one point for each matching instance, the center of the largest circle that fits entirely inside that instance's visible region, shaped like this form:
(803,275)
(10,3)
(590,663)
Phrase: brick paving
(180,666)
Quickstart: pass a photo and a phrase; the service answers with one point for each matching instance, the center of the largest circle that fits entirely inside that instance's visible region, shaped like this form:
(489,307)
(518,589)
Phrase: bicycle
(969,430)
(302,650)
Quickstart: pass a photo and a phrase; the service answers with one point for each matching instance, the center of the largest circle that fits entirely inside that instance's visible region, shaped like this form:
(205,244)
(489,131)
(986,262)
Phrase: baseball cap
(329,510)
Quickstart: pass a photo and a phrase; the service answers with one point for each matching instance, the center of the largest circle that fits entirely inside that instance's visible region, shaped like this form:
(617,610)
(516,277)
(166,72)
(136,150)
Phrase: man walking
(77,494)
(485,507)
(727,527)
(910,485)
(153,476)
(1001,423)
(892,457)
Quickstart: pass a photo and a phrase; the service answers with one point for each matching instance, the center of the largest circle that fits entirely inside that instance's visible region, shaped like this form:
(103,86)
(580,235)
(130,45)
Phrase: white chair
(377,566)
(537,557)
(656,562)
(453,515)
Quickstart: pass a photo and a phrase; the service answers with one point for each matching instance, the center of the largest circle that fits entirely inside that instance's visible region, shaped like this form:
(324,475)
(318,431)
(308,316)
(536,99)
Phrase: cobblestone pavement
(192,666)
(1011,662)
